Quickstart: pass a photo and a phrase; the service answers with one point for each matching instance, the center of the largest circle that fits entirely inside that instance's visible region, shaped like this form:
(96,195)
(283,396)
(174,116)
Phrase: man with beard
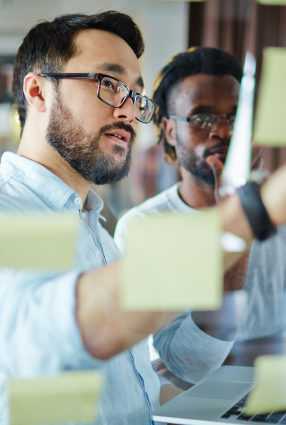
(78,87)
(197,96)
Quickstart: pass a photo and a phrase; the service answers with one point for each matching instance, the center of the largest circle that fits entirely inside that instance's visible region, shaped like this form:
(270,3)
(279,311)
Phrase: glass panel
(252,318)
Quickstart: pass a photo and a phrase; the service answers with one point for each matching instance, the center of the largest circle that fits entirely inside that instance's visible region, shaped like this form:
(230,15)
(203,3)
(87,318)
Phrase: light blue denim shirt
(38,330)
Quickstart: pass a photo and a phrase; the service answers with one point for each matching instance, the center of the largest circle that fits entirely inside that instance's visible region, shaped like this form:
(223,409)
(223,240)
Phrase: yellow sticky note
(37,241)
(269,125)
(172,263)
(272,2)
(269,392)
(69,397)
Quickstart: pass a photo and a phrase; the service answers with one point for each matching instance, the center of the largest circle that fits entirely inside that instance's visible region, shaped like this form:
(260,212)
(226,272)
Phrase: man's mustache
(222,143)
(119,126)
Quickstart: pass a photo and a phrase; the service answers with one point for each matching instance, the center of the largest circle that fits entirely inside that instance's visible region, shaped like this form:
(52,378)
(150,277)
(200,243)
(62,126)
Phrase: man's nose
(126,112)
(223,130)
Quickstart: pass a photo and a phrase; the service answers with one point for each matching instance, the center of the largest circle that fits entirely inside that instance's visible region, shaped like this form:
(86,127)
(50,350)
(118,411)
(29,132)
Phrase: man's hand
(217,167)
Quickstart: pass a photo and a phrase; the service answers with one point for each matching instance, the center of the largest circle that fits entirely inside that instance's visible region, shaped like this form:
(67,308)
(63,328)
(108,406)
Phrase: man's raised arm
(108,330)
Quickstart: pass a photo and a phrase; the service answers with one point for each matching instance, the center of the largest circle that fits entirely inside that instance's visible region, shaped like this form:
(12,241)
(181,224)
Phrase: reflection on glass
(237,166)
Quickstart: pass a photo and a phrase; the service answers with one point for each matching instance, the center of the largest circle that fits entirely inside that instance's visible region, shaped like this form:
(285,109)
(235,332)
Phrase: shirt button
(77,201)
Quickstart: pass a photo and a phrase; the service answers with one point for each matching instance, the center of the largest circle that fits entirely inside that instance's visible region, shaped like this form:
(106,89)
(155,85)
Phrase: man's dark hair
(200,60)
(49,45)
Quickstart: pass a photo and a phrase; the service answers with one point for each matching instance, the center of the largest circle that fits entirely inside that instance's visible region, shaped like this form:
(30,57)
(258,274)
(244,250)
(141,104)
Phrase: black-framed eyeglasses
(114,93)
(205,121)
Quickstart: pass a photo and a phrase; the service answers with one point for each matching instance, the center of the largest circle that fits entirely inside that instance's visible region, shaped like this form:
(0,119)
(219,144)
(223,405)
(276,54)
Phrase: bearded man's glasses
(114,93)
(205,121)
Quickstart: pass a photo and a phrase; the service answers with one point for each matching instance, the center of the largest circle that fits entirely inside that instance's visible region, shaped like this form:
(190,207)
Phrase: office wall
(163,23)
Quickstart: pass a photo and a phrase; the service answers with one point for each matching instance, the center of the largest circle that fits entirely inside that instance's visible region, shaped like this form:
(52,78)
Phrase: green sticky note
(173,262)
(272,2)
(37,241)
(269,125)
(269,392)
(69,397)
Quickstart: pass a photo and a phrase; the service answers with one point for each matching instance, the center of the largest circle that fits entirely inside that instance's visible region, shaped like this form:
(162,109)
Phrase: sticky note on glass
(37,241)
(70,397)
(173,262)
(272,2)
(269,392)
(269,125)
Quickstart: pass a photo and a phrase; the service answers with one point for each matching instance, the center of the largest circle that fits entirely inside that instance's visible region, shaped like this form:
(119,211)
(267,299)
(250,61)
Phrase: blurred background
(168,27)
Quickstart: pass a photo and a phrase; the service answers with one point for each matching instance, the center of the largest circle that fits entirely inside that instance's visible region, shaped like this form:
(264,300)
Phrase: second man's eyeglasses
(205,121)
(114,93)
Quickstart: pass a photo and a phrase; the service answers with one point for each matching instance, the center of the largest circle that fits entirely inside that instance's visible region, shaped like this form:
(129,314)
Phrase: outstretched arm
(107,330)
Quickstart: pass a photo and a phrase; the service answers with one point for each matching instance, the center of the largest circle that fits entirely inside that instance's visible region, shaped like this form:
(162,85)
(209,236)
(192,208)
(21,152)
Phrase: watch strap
(255,211)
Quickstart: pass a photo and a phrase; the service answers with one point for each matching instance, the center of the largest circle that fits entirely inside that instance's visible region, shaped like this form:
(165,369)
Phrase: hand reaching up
(217,167)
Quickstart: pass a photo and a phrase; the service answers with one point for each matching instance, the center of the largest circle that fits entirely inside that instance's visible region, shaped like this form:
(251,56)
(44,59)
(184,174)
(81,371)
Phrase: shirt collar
(55,193)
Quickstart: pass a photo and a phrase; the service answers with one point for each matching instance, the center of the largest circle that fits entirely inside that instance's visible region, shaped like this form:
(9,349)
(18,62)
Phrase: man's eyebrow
(140,82)
(202,109)
(209,108)
(113,67)
(119,69)
(234,107)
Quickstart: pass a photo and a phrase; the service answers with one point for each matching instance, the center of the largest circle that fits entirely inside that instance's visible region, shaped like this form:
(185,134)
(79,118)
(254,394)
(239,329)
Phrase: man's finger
(217,167)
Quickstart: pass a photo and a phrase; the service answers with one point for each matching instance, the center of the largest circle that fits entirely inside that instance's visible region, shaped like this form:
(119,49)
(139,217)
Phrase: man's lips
(219,152)
(121,137)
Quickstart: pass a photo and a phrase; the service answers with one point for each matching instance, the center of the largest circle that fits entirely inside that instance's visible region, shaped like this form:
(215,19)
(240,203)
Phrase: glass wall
(177,163)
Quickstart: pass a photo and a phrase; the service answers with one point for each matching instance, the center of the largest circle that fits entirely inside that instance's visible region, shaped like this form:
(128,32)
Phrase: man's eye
(202,119)
(108,84)
(199,119)
(231,119)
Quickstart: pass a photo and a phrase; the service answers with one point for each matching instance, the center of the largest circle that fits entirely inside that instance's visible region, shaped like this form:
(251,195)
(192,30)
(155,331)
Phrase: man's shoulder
(7,202)
(154,205)
(16,197)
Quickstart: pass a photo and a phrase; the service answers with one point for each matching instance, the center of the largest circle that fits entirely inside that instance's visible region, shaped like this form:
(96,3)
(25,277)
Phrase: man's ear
(34,90)
(169,129)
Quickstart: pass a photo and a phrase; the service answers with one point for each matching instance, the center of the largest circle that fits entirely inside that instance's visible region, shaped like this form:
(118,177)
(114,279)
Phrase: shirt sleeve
(120,234)
(188,352)
(38,329)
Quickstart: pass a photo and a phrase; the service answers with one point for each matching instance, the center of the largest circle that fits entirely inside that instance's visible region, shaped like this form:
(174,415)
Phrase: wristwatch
(255,211)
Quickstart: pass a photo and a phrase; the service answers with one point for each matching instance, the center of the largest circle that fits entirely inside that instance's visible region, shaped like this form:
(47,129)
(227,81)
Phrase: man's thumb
(217,167)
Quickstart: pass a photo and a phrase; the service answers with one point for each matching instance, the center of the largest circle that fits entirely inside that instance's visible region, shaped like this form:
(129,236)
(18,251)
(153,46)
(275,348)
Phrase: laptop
(220,397)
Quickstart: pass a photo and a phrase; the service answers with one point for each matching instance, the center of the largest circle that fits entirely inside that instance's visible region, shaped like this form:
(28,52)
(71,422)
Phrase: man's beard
(82,151)
(195,164)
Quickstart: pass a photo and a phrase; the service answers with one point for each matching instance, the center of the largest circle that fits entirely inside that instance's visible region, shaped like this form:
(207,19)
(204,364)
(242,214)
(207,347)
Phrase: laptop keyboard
(236,411)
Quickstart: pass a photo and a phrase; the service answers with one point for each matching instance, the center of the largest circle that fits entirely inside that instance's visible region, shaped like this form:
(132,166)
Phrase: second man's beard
(82,150)
(194,164)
